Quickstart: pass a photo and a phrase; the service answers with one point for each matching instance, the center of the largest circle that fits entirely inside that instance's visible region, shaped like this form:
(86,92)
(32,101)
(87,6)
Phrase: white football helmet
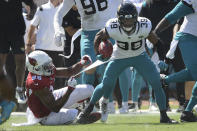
(40,63)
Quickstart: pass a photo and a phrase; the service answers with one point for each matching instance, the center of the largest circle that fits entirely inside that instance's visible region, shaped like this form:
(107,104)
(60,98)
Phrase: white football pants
(67,116)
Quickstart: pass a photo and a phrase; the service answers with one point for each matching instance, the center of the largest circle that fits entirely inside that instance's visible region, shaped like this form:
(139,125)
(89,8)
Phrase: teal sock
(151,99)
(160,98)
(97,94)
(193,99)
(192,103)
(111,98)
(136,85)
(124,79)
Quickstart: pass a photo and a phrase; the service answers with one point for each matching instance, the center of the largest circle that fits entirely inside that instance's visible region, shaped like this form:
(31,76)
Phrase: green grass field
(127,122)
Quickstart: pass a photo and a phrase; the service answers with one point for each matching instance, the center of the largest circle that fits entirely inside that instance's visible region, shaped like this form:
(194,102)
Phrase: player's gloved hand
(100,57)
(72,83)
(163,66)
(86,60)
(59,39)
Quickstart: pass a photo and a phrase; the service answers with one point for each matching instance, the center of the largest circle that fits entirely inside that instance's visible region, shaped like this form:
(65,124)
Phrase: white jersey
(190,21)
(44,18)
(128,45)
(94,13)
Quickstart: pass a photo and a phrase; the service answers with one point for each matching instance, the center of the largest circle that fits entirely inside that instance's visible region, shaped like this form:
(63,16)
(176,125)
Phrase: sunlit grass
(128,122)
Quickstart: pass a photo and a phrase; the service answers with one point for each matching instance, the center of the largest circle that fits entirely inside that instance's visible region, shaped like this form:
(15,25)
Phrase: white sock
(125,104)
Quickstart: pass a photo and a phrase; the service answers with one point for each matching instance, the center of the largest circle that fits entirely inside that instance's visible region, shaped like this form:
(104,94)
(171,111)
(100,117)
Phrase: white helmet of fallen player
(39,62)
(127,16)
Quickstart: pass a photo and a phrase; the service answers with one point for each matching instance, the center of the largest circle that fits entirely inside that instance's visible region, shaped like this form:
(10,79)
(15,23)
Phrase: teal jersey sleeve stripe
(178,12)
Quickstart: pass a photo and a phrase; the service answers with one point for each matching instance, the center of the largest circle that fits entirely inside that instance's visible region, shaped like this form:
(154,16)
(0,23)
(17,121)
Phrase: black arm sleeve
(161,49)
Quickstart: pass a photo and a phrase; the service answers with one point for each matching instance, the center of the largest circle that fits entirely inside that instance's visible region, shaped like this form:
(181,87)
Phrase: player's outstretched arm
(61,12)
(182,9)
(71,71)
(102,35)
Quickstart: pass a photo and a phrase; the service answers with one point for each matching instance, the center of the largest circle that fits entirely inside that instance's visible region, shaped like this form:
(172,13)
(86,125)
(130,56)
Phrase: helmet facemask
(48,68)
(127,23)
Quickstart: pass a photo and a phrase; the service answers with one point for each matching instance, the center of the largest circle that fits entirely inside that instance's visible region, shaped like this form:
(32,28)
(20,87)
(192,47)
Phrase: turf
(129,122)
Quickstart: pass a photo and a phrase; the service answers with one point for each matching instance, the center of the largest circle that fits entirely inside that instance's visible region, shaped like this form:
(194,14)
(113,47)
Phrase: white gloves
(72,82)
(59,39)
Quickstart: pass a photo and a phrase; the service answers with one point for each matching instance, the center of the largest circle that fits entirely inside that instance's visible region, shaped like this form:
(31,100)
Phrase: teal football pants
(143,65)
(87,48)
(188,47)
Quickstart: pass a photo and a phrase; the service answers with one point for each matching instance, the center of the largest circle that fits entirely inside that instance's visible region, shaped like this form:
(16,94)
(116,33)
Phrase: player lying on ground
(130,32)
(50,107)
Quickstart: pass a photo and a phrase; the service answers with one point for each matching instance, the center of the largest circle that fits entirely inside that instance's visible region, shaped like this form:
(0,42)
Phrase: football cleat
(104,109)
(188,116)
(124,110)
(167,120)
(7,108)
(88,119)
(133,107)
(20,96)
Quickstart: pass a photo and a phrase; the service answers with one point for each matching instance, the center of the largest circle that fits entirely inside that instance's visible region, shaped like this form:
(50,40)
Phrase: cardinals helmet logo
(32,61)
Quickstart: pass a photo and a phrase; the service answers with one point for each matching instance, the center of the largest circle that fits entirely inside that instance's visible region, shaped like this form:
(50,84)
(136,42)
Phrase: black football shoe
(188,116)
(88,118)
(167,120)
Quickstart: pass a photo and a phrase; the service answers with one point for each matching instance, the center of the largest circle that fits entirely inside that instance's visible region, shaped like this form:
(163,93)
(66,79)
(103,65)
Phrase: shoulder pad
(111,26)
(145,26)
(111,22)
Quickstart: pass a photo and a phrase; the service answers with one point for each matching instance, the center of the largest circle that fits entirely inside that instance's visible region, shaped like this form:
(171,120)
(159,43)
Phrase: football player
(130,32)
(94,14)
(48,106)
(186,39)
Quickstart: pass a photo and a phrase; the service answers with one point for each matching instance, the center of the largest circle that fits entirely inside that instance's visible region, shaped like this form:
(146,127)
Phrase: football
(105,49)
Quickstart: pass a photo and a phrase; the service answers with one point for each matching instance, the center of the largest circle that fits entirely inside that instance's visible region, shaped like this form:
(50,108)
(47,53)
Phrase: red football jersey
(35,82)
